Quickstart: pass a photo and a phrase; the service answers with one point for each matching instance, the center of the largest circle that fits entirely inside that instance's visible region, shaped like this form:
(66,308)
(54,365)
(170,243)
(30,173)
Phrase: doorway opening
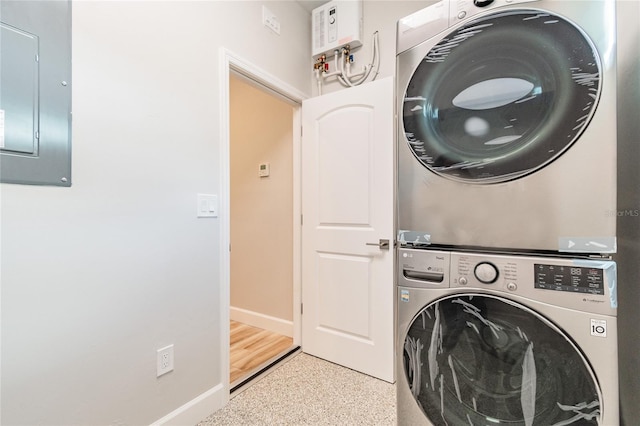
(260,238)
(261,189)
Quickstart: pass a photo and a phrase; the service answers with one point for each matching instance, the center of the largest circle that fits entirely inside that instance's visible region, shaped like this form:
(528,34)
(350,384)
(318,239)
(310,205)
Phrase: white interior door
(347,205)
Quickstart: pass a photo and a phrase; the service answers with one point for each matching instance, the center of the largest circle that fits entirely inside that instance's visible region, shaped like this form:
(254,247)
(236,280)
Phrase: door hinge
(301,220)
(229,247)
(301,309)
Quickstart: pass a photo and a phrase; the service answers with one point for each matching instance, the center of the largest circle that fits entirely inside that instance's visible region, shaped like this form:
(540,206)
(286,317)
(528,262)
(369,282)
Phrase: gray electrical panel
(35,92)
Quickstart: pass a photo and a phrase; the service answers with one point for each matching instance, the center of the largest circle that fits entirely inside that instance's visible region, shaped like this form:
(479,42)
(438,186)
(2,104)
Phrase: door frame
(231,62)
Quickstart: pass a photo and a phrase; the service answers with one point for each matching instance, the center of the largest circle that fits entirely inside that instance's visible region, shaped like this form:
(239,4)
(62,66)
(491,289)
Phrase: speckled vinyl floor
(309,391)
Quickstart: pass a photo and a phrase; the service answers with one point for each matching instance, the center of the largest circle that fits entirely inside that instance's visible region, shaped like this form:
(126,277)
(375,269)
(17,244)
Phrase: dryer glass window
(501,96)
(478,359)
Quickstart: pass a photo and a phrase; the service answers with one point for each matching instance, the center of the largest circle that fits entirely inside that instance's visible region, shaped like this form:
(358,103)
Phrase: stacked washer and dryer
(507,214)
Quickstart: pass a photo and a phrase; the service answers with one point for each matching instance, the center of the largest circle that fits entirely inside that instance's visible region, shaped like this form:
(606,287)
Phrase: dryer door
(501,96)
(479,359)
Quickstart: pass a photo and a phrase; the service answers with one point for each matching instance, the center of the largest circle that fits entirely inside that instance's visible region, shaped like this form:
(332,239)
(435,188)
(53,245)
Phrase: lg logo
(598,328)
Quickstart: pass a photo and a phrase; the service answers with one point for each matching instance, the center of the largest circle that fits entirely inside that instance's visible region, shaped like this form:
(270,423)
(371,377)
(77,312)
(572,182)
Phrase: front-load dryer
(507,125)
(505,340)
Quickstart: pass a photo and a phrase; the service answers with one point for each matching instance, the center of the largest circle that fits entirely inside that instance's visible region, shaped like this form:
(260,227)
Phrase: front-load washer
(507,125)
(513,340)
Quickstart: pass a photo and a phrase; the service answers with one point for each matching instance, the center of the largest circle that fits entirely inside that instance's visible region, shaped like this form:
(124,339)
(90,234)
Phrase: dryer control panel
(584,284)
(460,10)
(431,20)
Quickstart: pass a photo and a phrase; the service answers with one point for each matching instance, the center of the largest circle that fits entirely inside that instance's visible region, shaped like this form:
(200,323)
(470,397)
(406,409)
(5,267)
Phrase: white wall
(381,16)
(98,276)
(261,209)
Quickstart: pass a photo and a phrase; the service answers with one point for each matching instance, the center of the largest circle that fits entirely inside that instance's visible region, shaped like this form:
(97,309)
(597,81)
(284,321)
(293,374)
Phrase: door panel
(347,187)
(344,173)
(338,301)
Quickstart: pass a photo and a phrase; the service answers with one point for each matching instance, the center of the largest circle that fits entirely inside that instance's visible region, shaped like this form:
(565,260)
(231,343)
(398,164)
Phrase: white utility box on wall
(335,25)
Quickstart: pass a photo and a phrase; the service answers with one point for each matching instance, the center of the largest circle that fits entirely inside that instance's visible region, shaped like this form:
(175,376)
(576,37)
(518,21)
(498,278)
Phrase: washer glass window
(480,360)
(501,96)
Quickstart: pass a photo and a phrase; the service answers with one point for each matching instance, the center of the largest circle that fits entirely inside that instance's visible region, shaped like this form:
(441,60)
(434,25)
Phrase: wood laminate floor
(252,347)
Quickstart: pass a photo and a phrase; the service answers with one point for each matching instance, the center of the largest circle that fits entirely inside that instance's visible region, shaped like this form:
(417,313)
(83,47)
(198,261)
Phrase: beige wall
(261,207)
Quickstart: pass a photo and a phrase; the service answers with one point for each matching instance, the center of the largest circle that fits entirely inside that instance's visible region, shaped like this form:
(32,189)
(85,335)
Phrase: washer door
(481,360)
(501,96)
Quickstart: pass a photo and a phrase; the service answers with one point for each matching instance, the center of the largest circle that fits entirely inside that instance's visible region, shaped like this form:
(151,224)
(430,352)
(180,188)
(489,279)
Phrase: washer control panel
(585,284)
(574,279)
(484,271)
(422,268)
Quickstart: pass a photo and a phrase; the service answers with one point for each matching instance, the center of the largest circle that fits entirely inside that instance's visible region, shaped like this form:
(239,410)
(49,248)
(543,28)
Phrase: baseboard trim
(197,409)
(255,319)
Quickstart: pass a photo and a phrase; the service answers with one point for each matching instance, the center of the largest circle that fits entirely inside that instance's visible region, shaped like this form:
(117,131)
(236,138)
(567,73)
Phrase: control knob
(486,272)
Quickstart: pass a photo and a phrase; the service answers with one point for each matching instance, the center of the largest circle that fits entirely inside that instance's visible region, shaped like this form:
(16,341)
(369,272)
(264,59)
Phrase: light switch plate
(207,205)
(270,20)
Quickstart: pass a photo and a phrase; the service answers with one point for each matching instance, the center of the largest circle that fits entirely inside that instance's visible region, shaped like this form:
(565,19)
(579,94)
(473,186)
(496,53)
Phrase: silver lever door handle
(382,244)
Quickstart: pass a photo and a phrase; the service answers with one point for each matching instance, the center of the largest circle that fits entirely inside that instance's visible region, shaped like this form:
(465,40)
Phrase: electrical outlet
(164,360)
(270,20)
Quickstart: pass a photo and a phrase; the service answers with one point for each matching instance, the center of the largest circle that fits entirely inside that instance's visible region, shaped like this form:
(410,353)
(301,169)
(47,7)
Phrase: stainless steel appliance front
(520,340)
(507,125)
